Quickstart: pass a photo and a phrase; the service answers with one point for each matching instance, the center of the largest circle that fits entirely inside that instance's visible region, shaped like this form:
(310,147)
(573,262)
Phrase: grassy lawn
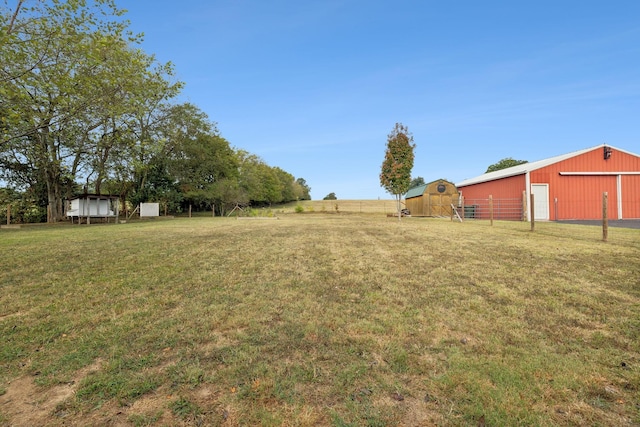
(318,319)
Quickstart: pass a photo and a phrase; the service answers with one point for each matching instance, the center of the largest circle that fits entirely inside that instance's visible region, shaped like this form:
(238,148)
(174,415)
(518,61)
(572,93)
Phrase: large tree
(302,189)
(68,78)
(395,176)
(504,164)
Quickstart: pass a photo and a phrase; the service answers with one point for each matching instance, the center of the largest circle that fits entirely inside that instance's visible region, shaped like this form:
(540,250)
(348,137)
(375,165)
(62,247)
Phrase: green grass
(342,320)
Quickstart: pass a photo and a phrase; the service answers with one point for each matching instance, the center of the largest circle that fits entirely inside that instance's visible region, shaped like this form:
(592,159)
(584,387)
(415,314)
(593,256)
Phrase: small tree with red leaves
(395,176)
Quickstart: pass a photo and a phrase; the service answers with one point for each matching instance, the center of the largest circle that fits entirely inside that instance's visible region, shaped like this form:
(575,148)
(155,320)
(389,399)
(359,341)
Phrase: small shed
(432,199)
(89,206)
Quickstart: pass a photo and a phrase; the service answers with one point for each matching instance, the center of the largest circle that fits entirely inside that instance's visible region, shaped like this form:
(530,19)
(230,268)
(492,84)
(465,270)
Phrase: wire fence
(499,209)
(613,220)
(623,233)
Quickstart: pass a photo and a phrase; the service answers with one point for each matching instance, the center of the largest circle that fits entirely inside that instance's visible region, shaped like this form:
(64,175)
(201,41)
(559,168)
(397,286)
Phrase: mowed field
(318,319)
(345,206)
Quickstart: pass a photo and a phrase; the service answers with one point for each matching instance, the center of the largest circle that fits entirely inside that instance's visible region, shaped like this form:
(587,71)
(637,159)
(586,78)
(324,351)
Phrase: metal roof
(531,166)
(415,191)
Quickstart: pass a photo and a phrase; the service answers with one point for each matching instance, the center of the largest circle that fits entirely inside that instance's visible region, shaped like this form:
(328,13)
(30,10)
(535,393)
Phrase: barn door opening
(541,201)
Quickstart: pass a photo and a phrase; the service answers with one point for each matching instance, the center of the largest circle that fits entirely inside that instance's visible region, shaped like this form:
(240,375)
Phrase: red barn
(569,186)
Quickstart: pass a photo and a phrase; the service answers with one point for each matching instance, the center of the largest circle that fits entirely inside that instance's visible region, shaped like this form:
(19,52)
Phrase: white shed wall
(90,207)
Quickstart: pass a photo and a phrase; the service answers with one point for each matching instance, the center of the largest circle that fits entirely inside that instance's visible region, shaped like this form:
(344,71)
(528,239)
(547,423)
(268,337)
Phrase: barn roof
(416,191)
(528,167)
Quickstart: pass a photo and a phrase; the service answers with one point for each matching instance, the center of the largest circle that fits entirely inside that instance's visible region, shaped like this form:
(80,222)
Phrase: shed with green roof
(432,199)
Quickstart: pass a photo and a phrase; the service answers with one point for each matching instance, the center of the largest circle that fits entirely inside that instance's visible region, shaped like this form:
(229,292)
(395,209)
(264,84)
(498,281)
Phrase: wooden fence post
(533,217)
(491,208)
(189,210)
(9,215)
(524,205)
(462,205)
(605,216)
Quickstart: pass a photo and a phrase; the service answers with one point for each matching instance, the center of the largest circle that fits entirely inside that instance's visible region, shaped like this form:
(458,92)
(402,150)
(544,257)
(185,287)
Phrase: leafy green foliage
(20,207)
(330,196)
(69,81)
(504,164)
(415,182)
(82,107)
(302,189)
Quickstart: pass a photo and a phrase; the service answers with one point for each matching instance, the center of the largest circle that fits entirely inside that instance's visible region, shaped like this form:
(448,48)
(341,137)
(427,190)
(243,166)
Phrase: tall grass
(341,320)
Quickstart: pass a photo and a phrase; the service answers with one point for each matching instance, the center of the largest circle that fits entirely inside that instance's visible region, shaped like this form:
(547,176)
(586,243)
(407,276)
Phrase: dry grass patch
(321,320)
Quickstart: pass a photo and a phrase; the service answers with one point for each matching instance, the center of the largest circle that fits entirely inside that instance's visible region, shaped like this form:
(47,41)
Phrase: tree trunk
(47,161)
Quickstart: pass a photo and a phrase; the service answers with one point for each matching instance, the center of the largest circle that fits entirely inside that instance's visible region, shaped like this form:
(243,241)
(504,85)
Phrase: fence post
(189,210)
(605,218)
(9,215)
(491,208)
(524,205)
(533,217)
(462,205)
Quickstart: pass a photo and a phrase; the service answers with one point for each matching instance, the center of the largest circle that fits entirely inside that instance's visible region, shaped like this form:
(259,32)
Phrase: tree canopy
(84,108)
(395,175)
(417,181)
(505,163)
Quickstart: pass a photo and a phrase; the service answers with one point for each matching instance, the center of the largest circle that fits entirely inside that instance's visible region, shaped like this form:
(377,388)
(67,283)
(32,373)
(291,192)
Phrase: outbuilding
(432,199)
(89,206)
(569,186)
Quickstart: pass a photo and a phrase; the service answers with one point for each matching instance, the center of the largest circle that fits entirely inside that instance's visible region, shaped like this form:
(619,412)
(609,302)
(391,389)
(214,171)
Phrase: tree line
(84,109)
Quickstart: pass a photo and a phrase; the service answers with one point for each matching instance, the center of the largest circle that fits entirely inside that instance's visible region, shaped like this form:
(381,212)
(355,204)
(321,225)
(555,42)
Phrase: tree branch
(15,15)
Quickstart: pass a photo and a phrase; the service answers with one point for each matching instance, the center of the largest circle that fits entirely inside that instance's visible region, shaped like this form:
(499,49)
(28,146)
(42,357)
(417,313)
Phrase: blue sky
(315,86)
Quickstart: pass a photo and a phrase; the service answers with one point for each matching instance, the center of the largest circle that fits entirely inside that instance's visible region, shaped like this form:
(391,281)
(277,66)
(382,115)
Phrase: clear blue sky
(315,86)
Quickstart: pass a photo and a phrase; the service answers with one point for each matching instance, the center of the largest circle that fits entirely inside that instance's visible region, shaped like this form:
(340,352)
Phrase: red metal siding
(506,193)
(631,196)
(506,188)
(580,197)
(575,196)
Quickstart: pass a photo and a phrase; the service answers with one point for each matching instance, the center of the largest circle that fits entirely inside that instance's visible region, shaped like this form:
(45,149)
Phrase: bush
(299,209)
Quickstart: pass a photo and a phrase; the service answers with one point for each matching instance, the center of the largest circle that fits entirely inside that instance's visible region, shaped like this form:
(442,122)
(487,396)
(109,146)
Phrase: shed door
(541,201)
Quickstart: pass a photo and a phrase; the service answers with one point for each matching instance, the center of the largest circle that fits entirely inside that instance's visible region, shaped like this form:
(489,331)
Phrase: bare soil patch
(27,404)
